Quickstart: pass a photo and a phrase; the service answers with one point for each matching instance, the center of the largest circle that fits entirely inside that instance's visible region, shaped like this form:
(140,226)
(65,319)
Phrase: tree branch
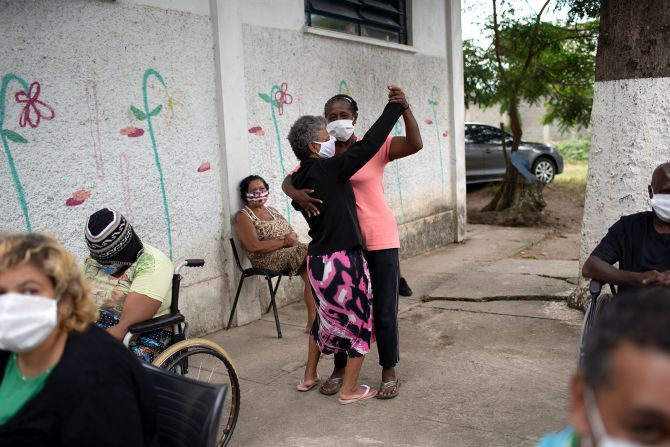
(531,41)
(496,42)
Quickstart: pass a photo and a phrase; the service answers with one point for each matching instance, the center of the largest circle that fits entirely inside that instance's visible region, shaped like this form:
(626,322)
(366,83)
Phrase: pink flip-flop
(304,388)
(369,394)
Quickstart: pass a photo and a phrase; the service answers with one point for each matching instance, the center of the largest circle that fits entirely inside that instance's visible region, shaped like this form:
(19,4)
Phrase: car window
(491,135)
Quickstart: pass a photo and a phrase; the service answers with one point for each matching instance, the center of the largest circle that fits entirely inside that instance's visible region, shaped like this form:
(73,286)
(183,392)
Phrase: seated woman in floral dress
(268,238)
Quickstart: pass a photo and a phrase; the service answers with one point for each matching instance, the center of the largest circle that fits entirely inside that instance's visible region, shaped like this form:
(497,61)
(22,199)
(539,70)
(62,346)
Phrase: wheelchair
(592,311)
(198,359)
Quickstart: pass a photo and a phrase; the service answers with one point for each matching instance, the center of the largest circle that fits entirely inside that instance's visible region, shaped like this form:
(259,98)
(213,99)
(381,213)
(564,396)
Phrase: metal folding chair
(268,274)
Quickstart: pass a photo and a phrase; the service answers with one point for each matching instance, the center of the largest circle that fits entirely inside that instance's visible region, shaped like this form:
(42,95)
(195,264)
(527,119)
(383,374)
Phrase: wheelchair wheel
(205,361)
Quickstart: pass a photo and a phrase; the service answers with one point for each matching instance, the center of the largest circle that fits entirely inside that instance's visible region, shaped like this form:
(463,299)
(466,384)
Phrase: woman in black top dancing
(337,269)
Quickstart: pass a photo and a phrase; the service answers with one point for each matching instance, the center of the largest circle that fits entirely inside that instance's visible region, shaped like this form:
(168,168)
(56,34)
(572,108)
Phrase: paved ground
(475,372)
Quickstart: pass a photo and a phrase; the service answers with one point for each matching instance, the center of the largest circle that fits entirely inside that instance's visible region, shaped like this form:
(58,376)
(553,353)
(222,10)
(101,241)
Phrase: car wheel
(544,170)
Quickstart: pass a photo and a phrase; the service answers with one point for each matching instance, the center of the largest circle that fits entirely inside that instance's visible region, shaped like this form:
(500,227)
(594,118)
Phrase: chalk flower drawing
(433,102)
(78,198)
(132,132)
(145,115)
(34,109)
(275,103)
(206,166)
(175,110)
(283,97)
(257,130)
(32,106)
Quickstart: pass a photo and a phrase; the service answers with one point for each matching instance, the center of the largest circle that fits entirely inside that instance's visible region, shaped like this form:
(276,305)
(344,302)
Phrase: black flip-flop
(336,381)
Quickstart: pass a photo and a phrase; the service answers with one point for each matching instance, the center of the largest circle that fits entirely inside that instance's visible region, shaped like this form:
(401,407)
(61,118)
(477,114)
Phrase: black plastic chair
(189,411)
(268,274)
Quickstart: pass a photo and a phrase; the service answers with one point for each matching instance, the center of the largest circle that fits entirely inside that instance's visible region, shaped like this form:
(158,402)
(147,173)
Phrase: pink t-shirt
(378,225)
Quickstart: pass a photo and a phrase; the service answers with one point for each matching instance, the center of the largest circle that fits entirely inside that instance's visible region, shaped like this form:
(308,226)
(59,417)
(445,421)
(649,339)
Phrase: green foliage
(575,150)
(156,111)
(537,62)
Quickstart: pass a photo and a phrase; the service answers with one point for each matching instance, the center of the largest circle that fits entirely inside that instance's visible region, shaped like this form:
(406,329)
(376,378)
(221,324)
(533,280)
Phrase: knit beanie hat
(111,239)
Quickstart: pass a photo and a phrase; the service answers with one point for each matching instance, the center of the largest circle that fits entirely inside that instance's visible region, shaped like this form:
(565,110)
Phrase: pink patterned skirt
(341,285)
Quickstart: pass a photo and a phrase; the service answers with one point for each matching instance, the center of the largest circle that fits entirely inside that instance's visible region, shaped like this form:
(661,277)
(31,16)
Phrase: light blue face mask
(112,269)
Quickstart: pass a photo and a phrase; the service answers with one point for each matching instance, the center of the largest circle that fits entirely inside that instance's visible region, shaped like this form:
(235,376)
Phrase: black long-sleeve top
(97,395)
(336,227)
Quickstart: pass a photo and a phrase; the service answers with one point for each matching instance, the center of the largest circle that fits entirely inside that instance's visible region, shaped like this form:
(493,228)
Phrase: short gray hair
(304,131)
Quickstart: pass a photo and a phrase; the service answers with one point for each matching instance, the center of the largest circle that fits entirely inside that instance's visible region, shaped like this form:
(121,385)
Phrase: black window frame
(362,13)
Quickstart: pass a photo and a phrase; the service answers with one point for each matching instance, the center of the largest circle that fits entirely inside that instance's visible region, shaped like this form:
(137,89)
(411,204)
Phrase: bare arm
(409,144)
(596,268)
(247,233)
(136,308)
(301,196)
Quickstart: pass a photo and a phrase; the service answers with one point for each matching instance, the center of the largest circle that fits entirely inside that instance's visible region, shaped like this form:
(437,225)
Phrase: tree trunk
(522,202)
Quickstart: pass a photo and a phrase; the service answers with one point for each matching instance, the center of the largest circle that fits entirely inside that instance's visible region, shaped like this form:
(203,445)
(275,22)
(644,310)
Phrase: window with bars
(379,19)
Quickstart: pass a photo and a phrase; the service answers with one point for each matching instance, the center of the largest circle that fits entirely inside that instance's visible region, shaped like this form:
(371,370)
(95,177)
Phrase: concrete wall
(89,60)
(217,59)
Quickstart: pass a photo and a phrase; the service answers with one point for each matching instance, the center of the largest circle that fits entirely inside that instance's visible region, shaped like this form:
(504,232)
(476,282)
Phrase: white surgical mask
(341,130)
(25,321)
(327,149)
(660,203)
(598,428)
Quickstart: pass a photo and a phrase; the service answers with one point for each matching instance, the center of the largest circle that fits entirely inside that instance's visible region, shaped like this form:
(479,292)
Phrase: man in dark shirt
(639,242)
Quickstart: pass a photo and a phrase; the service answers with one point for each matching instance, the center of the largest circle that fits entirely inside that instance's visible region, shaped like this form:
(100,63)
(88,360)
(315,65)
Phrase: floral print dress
(288,259)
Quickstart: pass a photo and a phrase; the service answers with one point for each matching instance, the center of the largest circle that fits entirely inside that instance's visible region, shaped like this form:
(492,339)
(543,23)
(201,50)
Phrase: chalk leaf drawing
(78,198)
(343,88)
(277,98)
(146,114)
(428,121)
(14,137)
(206,166)
(433,102)
(33,111)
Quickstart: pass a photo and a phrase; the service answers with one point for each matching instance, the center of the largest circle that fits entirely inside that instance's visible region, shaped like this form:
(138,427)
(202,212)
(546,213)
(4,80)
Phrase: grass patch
(575,151)
(572,180)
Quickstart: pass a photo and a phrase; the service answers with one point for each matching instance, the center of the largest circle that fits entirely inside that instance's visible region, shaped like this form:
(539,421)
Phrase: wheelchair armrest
(156,323)
(595,287)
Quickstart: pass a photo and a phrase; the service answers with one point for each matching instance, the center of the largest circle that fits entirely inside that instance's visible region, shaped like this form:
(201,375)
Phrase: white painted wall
(215,56)
(630,124)
(89,58)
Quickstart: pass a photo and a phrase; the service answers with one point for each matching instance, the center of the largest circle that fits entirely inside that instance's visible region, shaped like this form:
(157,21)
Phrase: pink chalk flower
(204,167)
(78,197)
(33,109)
(445,133)
(132,132)
(428,121)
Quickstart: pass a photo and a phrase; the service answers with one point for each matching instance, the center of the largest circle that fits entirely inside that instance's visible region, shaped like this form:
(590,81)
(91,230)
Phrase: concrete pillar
(232,107)
(457,107)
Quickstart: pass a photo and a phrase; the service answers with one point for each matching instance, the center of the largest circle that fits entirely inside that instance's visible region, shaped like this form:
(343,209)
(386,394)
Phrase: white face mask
(598,428)
(25,321)
(341,130)
(327,148)
(660,203)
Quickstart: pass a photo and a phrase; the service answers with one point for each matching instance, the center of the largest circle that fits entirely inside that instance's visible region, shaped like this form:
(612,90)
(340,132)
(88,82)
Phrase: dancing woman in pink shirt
(378,228)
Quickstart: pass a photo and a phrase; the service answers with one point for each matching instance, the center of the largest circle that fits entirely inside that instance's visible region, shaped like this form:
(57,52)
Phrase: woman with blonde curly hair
(63,380)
